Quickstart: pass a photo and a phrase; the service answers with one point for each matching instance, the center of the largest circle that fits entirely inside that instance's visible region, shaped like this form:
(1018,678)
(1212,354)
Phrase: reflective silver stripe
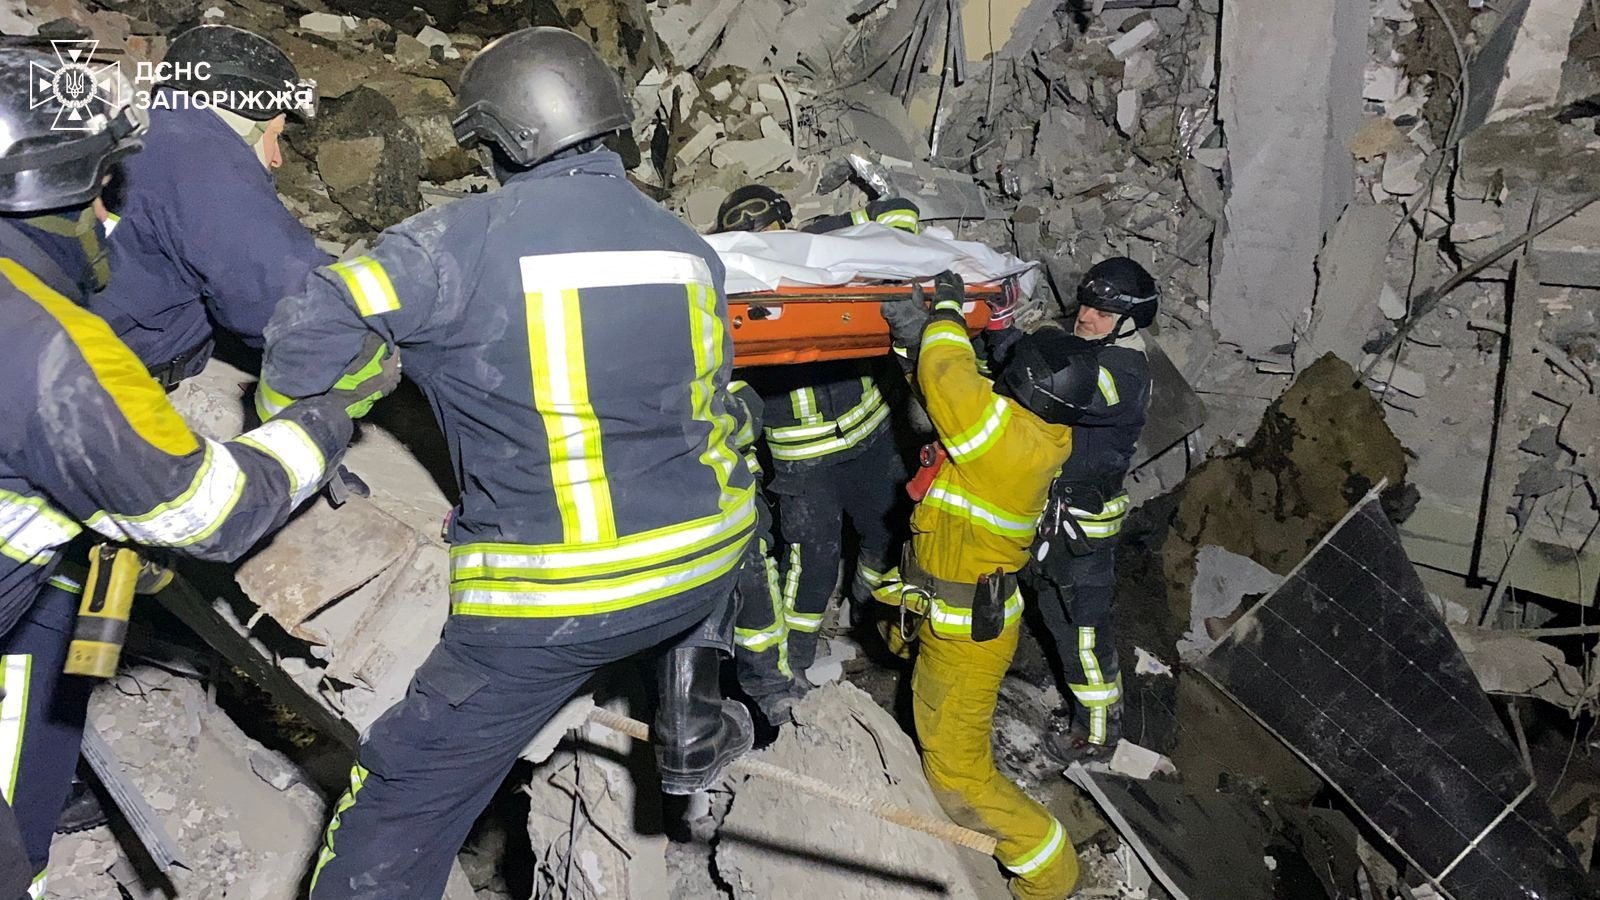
(822,448)
(871,399)
(943,332)
(15,672)
(958,619)
(957,503)
(1108,388)
(369,285)
(511,598)
(971,445)
(615,268)
(555,561)
(293,448)
(30,528)
(191,517)
(1044,854)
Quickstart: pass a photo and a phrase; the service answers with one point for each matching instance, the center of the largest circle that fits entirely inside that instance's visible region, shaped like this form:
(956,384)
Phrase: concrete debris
(829,665)
(329,24)
(1350,273)
(1519,68)
(1389,374)
(1290,100)
(1222,582)
(1133,39)
(1135,761)
(774,841)
(1515,666)
(1149,664)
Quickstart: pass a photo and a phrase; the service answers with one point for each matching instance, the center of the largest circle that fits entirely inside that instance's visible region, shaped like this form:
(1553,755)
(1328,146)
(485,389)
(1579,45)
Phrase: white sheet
(764,261)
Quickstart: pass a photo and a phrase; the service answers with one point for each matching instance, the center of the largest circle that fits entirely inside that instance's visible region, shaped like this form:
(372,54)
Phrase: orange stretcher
(811,324)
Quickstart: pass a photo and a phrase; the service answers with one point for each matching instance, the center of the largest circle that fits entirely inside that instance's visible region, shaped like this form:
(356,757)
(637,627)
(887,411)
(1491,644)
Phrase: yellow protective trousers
(955,685)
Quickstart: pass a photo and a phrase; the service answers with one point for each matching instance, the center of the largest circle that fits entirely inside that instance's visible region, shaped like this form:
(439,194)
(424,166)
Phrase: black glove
(949,293)
(906,319)
(373,375)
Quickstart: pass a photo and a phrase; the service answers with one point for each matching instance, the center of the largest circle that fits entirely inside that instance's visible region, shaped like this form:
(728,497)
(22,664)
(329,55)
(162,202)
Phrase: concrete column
(1290,101)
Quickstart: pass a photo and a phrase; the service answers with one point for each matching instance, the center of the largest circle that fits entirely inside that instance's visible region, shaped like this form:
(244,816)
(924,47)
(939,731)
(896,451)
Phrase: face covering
(248,129)
(84,256)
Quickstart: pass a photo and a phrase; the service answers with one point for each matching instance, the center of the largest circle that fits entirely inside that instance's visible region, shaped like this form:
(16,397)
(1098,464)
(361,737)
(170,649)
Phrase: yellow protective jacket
(981,511)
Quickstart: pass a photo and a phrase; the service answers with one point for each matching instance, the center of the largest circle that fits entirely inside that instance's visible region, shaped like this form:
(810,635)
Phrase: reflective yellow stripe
(369,285)
(16,672)
(871,399)
(706,336)
(1108,388)
(557,562)
(121,375)
(956,502)
(30,528)
(530,599)
(269,402)
(980,438)
(64,583)
(903,219)
(957,620)
(944,332)
(858,217)
(192,516)
(815,449)
(358,780)
(572,430)
(1040,857)
(804,404)
(37,888)
(1105,523)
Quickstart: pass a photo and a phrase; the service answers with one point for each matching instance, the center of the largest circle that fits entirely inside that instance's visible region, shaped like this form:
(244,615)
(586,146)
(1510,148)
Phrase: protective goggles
(1098,293)
(755,214)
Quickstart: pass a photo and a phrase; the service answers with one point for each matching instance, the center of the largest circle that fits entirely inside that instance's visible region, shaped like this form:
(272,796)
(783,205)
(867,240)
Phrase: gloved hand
(373,375)
(949,292)
(906,319)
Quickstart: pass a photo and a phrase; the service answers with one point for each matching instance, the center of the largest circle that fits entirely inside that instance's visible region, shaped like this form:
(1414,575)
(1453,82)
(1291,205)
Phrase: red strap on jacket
(931,460)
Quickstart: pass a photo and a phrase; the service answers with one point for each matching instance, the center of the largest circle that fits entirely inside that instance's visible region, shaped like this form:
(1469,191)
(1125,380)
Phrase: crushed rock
(776,842)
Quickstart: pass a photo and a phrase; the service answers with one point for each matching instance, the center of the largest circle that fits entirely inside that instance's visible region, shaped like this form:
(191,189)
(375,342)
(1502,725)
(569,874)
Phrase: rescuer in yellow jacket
(956,588)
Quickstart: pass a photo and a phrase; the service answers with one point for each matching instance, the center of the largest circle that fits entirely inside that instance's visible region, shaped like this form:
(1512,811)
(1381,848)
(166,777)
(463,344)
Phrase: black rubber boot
(697,731)
(83,810)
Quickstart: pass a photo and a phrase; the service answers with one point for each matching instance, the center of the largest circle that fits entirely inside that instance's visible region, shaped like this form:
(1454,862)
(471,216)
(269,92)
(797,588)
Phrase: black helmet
(258,79)
(1121,286)
(536,92)
(60,138)
(1052,374)
(753,207)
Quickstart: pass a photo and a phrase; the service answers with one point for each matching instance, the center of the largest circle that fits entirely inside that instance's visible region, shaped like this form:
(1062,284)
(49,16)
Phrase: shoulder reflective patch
(614,268)
(121,375)
(369,285)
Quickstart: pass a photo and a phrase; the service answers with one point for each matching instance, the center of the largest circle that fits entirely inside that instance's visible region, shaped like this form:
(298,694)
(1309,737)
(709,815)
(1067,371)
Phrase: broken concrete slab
(320,556)
(1569,253)
(1134,38)
(1349,665)
(756,158)
(329,24)
(1518,69)
(776,842)
(1290,99)
(1516,666)
(1350,272)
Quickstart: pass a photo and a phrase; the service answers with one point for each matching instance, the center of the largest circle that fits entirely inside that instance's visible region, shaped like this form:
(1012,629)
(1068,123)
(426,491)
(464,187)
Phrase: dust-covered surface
(776,842)
(245,820)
